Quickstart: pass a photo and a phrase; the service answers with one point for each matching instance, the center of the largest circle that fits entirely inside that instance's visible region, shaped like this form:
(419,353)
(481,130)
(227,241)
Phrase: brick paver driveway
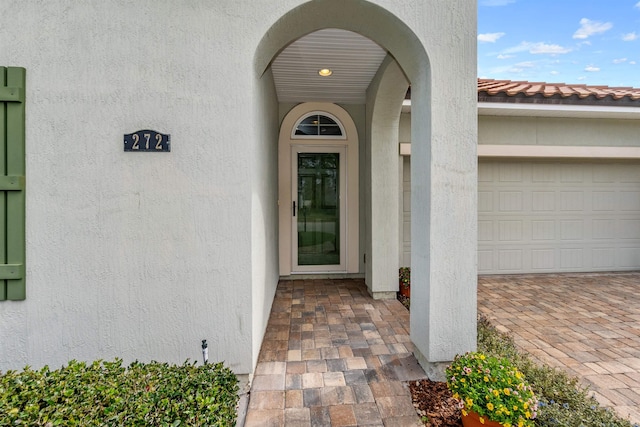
(586,324)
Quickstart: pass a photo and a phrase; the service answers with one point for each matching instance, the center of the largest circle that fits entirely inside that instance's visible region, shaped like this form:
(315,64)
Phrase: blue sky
(594,42)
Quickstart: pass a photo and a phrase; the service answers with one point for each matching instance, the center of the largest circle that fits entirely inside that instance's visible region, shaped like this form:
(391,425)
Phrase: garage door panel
(571,229)
(604,258)
(629,257)
(485,201)
(510,172)
(629,229)
(558,217)
(543,173)
(543,229)
(543,201)
(604,229)
(510,201)
(571,201)
(630,201)
(603,200)
(543,259)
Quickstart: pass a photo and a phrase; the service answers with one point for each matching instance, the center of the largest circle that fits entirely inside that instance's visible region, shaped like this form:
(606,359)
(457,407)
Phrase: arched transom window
(318,125)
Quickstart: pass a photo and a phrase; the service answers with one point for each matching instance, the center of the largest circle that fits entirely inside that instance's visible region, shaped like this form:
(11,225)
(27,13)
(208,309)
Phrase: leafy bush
(562,400)
(108,394)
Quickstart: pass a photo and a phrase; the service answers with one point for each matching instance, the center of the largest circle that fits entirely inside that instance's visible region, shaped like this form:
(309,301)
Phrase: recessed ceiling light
(325,72)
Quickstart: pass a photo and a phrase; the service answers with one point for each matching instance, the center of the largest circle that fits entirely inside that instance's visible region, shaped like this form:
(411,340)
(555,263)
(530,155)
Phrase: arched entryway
(443,187)
(318,191)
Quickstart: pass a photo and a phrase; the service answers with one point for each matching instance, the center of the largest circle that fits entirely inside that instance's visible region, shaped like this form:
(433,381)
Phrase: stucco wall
(142,255)
(558,131)
(264,210)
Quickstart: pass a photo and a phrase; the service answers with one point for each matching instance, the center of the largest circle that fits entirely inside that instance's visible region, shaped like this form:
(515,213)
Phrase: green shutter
(12,183)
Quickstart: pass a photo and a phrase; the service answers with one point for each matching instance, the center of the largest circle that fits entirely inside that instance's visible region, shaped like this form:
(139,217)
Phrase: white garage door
(558,217)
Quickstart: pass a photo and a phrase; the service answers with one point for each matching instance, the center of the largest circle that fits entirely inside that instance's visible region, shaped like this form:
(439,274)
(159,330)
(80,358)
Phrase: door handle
(294,208)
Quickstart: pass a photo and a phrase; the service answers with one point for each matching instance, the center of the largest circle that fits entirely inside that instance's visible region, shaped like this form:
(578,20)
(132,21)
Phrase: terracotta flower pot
(472,419)
(405,290)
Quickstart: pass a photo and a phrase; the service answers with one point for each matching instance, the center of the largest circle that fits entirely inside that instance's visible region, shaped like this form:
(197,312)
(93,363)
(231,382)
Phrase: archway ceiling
(354,60)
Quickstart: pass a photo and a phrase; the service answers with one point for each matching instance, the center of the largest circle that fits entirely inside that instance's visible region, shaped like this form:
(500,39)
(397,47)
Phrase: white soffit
(354,60)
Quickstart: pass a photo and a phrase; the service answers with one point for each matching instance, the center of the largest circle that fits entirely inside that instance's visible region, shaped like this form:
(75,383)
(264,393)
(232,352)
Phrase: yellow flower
(482,357)
(490,406)
(521,423)
(507,424)
(481,420)
(527,414)
(465,413)
(456,395)
(507,391)
(469,402)
(496,393)
(486,379)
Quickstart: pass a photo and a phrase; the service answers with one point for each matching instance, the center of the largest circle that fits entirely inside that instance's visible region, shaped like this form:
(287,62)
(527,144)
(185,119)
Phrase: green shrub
(108,394)
(562,400)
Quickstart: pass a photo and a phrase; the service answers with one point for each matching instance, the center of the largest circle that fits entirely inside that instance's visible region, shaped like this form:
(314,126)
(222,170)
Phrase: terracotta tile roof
(490,90)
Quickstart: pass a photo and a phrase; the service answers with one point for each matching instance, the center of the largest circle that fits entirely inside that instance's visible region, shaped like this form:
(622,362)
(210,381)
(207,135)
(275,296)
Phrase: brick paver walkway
(333,356)
(586,324)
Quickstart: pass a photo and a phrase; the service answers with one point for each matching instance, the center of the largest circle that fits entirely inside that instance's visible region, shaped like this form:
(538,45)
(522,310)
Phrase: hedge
(107,394)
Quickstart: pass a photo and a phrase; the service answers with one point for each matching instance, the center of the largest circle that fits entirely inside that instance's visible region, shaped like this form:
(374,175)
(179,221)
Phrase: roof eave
(557,110)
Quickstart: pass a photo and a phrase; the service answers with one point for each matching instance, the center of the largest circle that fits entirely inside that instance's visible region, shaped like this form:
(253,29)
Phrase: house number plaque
(147,140)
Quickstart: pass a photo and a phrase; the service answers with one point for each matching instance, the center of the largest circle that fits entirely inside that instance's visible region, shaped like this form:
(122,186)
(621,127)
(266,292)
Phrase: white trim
(548,151)
(550,110)
(343,132)
(557,110)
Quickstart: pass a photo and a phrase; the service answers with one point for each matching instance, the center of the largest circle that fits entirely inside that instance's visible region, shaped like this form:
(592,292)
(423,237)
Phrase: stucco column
(443,224)
(384,96)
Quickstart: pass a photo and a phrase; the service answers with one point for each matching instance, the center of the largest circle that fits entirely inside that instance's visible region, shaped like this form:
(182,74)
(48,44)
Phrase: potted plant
(405,282)
(491,390)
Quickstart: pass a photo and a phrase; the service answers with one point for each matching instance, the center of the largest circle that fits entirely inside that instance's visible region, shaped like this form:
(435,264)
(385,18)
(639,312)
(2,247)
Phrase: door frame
(349,142)
(342,190)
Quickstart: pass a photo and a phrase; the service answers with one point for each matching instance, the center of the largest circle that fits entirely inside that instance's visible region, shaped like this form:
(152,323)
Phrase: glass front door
(317,210)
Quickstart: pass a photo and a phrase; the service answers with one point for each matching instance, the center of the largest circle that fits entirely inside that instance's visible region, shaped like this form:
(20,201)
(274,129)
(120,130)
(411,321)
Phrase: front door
(318,209)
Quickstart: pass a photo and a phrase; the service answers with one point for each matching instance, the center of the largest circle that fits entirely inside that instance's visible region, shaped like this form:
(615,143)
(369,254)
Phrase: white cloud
(496,2)
(619,60)
(489,37)
(521,66)
(638,5)
(591,69)
(501,56)
(632,62)
(538,48)
(589,28)
(629,37)
(554,73)
(582,78)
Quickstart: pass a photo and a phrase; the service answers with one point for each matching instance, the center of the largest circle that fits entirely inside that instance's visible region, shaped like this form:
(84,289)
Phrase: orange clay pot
(472,419)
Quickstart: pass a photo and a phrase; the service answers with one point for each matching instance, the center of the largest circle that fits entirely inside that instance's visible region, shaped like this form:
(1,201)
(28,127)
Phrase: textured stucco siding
(142,255)
(134,255)
(558,131)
